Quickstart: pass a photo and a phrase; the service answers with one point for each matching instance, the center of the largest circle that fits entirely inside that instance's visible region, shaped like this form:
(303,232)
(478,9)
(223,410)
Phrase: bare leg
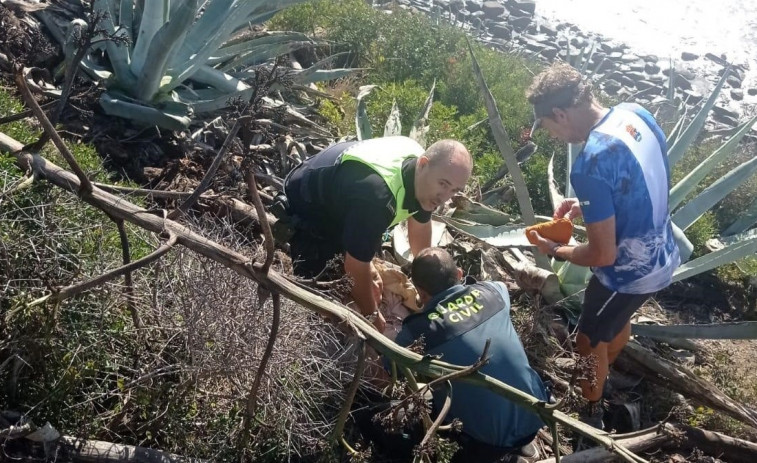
(583,345)
(618,343)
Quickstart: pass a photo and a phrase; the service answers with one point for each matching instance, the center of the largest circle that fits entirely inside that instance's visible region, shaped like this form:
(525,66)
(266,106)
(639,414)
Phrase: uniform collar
(451,291)
(410,203)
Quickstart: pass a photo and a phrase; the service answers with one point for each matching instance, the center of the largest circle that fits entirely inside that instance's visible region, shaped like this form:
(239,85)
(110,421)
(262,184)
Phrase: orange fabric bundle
(559,230)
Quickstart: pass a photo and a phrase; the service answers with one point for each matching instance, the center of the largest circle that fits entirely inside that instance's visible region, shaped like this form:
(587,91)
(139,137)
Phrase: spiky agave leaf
(679,192)
(682,144)
(731,253)
(694,209)
(736,330)
(746,220)
(393,126)
(420,128)
(173,117)
(362,122)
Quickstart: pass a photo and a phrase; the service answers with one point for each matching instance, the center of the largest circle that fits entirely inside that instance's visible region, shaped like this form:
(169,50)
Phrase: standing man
(455,323)
(345,197)
(621,179)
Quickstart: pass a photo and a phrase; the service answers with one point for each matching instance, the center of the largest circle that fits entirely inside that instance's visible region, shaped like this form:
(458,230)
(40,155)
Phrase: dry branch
(85,185)
(671,436)
(687,383)
(72,290)
(94,451)
(209,174)
(639,441)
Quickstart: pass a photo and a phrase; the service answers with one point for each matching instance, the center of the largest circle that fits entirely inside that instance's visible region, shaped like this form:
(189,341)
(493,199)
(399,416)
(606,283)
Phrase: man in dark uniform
(455,323)
(344,198)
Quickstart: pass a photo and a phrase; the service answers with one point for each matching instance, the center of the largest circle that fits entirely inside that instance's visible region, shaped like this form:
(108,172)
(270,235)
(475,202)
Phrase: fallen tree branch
(73,290)
(269,245)
(252,398)
(84,184)
(276,282)
(95,451)
(351,391)
(209,174)
(237,208)
(684,381)
(640,441)
(437,422)
(24,114)
(724,447)
(129,288)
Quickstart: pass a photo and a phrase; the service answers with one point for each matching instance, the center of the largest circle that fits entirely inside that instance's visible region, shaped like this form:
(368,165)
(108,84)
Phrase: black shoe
(592,414)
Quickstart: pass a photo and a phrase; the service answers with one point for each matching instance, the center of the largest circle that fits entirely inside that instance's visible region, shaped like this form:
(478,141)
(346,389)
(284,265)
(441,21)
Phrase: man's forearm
(579,255)
(582,255)
(363,295)
(362,289)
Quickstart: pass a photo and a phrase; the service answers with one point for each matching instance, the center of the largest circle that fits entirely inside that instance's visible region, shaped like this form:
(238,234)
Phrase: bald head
(447,152)
(434,270)
(442,171)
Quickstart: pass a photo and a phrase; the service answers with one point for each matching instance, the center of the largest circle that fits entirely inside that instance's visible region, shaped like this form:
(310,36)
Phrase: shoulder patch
(633,132)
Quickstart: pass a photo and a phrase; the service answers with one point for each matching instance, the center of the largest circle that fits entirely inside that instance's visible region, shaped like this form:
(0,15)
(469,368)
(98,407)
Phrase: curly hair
(558,86)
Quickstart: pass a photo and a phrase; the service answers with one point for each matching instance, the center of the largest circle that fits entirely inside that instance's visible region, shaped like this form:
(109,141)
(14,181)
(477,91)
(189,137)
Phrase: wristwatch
(554,248)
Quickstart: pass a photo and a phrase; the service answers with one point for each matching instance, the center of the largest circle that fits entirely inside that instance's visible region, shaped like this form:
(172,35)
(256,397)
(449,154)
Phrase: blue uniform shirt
(456,324)
(623,172)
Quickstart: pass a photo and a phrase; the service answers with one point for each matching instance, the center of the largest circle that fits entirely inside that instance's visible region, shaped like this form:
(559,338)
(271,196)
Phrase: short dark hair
(558,86)
(434,270)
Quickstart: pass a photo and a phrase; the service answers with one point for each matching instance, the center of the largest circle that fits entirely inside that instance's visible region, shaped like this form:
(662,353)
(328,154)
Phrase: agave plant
(167,60)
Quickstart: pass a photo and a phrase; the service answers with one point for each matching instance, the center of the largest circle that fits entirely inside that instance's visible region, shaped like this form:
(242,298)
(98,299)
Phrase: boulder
(636,76)
(692,96)
(611,86)
(627,81)
(725,119)
(456,5)
(525,6)
(737,94)
(501,31)
(688,56)
(651,68)
(646,85)
(463,15)
(638,66)
(727,112)
(473,5)
(681,82)
(578,42)
(547,29)
(612,47)
(519,23)
(733,81)
(717,59)
(493,10)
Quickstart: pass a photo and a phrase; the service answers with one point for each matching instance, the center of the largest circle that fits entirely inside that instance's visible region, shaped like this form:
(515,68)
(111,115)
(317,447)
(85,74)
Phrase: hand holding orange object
(558,230)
